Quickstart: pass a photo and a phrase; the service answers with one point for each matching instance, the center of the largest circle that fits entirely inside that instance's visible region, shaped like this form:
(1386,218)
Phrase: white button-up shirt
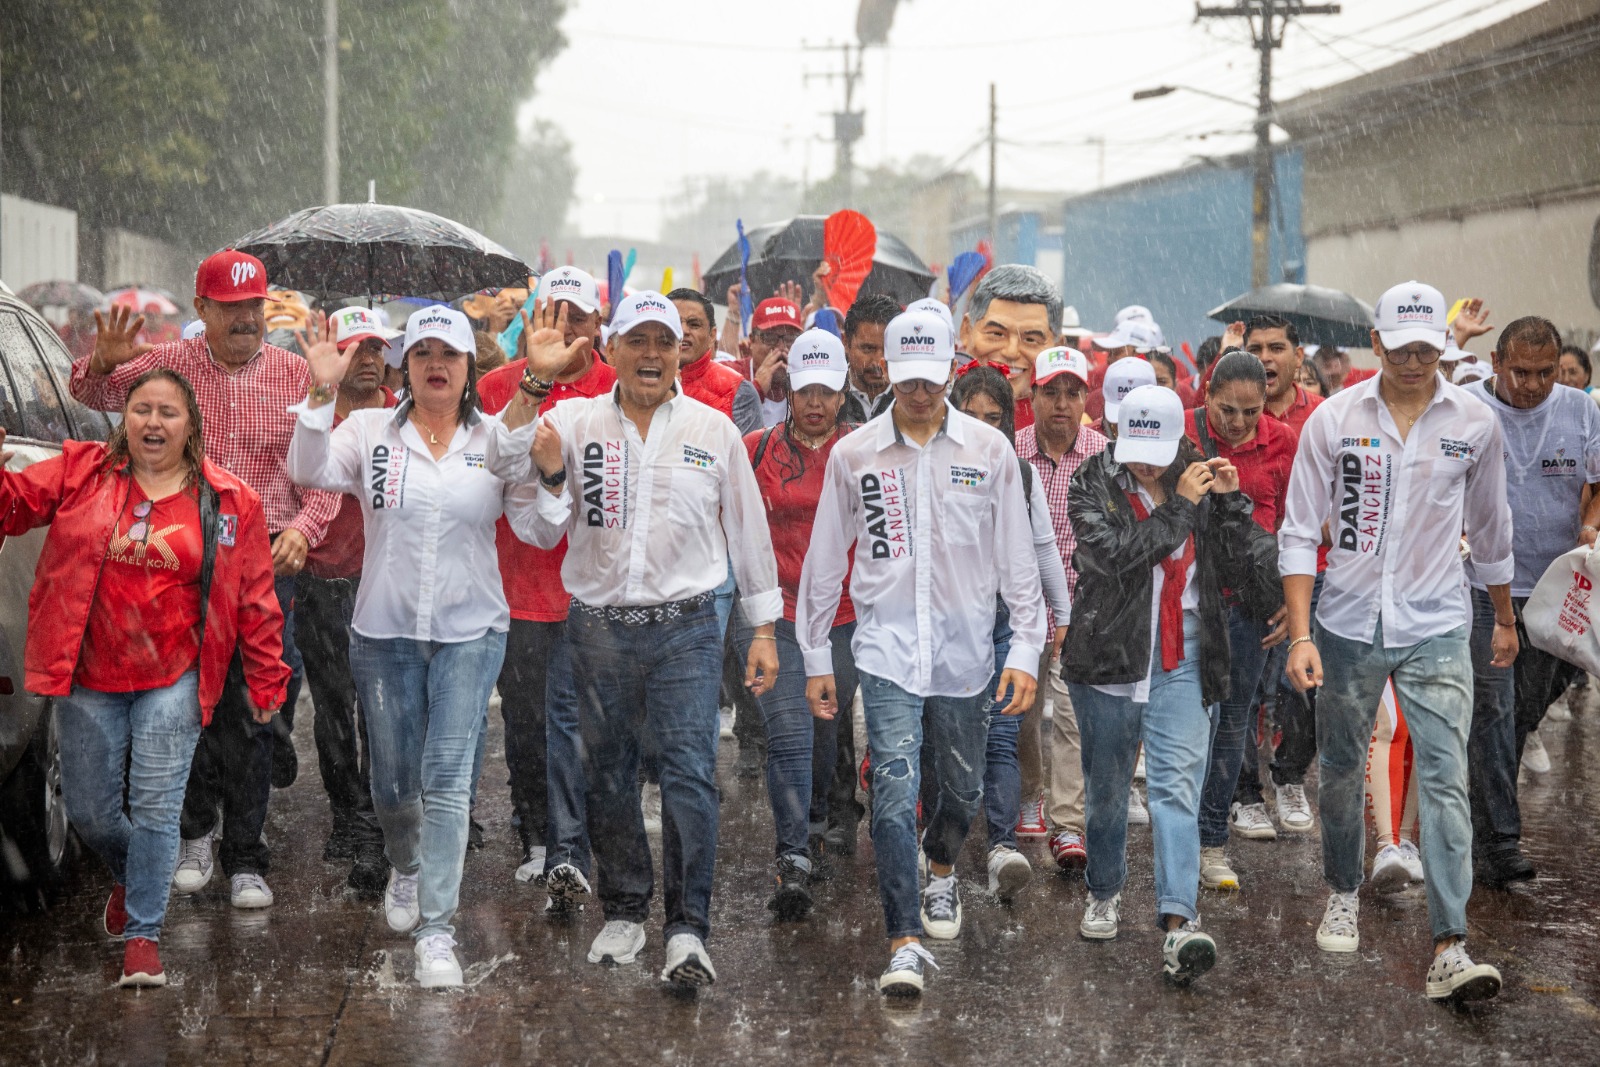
(651,520)
(1396,512)
(432,573)
(938,531)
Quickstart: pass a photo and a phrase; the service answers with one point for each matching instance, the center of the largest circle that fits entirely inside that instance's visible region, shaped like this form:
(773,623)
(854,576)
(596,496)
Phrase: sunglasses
(140,530)
(916,385)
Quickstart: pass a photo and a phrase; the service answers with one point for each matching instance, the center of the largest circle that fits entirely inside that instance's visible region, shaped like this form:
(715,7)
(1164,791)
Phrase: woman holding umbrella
(155,567)
(426,643)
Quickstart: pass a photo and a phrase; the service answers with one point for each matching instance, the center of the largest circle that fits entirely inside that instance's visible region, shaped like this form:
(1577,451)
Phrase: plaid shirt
(247,424)
(1054,478)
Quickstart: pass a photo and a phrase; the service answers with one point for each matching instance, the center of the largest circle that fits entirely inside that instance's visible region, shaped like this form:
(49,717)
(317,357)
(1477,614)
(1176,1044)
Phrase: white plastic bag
(1559,616)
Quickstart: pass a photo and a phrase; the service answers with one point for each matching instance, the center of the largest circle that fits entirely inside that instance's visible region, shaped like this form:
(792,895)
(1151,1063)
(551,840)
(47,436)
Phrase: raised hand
(543,341)
(116,340)
(791,292)
(1233,336)
(327,363)
(1471,321)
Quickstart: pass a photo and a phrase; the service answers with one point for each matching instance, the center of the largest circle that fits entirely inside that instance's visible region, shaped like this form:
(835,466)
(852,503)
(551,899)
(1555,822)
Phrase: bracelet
(538,383)
(1513,622)
(762,637)
(1297,640)
(531,391)
(321,394)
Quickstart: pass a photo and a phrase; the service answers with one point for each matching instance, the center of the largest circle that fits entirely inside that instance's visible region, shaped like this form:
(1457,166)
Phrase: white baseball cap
(938,307)
(918,344)
(1122,378)
(1071,324)
(645,306)
(1452,351)
(1468,373)
(194,329)
(1140,313)
(1410,313)
(444,322)
(817,358)
(1151,427)
(1060,360)
(355,324)
(1136,332)
(571,284)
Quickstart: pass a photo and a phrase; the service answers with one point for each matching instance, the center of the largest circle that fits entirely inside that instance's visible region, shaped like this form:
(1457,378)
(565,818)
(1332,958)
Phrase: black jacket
(1108,642)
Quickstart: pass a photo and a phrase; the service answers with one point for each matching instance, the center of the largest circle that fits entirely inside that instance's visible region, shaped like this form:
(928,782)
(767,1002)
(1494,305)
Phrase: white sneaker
(1215,873)
(1294,810)
(903,978)
(1534,756)
(400,907)
(1338,932)
(1453,976)
(650,804)
(1138,814)
(1009,872)
(687,962)
(249,891)
(437,966)
(725,723)
(1411,859)
(532,868)
(194,864)
(1100,918)
(1389,874)
(1559,711)
(1250,822)
(941,908)
(618,942)
(1138,766)
(1187,953)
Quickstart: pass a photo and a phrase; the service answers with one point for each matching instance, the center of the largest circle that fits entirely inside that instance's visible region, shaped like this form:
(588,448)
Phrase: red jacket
(711,383)
(80,501)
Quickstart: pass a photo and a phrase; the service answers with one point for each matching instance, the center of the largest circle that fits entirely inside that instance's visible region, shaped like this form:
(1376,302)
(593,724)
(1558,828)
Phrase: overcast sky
(650,95)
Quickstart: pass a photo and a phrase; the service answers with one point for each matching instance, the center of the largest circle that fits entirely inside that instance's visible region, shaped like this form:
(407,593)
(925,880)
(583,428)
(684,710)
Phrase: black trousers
(524,676)
(232,769)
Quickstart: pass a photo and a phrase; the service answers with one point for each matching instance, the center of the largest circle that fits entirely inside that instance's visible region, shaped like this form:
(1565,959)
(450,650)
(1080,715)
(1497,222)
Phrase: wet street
(319,978)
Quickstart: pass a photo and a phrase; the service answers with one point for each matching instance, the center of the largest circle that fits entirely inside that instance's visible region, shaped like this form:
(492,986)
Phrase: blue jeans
(567,840)
(1002,776)
(425,704)
(1232,730)
(1176,729)
(142,741)
(1433,683)
(799,754)
(957,728)
(660,678)
(1492,740)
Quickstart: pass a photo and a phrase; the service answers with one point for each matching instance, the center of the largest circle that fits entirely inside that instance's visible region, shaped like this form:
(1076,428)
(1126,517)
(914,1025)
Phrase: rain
(528,184)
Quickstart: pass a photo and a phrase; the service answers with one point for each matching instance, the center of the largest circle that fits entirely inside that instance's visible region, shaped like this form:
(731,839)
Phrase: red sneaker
(1067,848)
(1030,823)
(865,777)
(116,917)
(141,964)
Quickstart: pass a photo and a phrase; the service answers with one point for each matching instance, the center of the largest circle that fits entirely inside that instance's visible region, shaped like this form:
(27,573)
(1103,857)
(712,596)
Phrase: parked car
(38,414)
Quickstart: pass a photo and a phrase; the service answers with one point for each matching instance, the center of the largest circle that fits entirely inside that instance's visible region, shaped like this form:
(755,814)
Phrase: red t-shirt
(531,575)
(792,508)
(1357,375)
(1263,461)
(1024,410)
(1296,414)
(344,546)
(144,630)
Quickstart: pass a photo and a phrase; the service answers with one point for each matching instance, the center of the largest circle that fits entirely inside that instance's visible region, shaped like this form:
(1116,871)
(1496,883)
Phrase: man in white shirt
(654,493)
(1397,467)
(932,502)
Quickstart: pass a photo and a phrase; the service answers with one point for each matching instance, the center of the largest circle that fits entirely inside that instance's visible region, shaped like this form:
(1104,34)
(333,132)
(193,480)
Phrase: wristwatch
(553,481)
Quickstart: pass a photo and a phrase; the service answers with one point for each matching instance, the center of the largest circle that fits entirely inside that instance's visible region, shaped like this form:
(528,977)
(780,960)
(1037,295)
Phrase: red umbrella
(144,301)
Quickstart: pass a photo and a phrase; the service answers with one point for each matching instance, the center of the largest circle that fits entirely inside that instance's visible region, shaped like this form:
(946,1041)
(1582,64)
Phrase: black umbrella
(365,249)
(1321,316)
(790,251)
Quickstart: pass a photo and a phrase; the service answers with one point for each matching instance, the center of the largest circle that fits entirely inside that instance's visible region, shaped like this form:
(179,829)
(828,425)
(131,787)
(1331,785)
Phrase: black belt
(641,616)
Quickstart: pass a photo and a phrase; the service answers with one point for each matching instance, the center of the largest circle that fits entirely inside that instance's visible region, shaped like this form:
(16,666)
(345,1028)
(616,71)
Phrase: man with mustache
(245,388)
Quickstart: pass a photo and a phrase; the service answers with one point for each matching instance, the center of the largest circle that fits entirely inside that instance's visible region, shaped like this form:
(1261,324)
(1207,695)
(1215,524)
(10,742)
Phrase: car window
(32,390)
(88,424)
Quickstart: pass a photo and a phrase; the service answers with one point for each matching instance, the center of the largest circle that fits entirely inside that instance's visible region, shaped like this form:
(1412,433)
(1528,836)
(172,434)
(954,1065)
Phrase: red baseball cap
(775,313)
(230,276)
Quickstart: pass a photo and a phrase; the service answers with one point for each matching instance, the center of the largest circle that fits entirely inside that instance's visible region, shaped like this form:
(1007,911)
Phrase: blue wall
(1178,243)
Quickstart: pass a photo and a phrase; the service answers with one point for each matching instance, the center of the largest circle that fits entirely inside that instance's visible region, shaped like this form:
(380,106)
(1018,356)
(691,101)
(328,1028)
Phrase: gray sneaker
(1453,976)
(688,965)
(903,976)
(618,942)
(1100,919)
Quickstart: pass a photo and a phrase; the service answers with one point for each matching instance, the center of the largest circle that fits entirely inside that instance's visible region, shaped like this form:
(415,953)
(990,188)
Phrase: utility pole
(1268,19)
(330,101)
(849,124)
(994,152)
(1099,141)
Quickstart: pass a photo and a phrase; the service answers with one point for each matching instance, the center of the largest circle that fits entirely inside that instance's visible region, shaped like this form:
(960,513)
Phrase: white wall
(38,243)
(133,259)
(1521,261)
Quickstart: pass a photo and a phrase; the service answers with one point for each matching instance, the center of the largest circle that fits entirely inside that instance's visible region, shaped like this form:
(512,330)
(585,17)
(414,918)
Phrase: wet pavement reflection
(319,978)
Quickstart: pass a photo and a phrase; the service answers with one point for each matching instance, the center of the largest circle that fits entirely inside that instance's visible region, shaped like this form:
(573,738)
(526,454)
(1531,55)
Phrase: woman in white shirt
(429,630)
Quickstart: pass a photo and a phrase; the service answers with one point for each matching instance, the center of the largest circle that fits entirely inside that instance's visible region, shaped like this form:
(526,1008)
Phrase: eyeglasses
(774,338)
(915,385)
(1423,353)
(140,530)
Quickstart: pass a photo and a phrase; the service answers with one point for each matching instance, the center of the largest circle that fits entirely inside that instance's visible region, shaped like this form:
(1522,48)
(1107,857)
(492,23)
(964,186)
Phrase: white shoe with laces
(903,977)
(400,907)
(1187,953)
(1453,976)
(941,907)
(688,965)
(1215,871)
(1138,814)
(1100,919)
(1250,822)
(1389,874)
(1339,932)
(532,867)
(618,942)
(1411,859)
(194,864)
(249,891)
(1534,756)
(437,966)
(1294,810)
(1009,872)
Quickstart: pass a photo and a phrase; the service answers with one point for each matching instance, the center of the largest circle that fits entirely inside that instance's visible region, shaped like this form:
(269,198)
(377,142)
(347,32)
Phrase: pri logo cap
(573,285)
(230,276)
(1410,313)
(353,325)
(918,345)
(647,307)
(817,358)
(1151,426)
(1122,378)
(444,322)
(1060,360)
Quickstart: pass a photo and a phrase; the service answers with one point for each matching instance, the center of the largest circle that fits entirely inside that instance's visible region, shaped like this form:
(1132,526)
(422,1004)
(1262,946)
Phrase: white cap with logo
(444,322)
(640,308)
(1410,313)
(1136,332)
(354,324)
(1140,313)
(918,344)
(817,358)
(1151,426)
(1122,378)
(571,284)
(1060,360)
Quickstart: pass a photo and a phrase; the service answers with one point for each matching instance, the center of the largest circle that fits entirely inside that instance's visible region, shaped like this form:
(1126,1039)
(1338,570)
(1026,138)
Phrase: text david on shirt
(386,477)
(605,484)
(887,518)
(1364,476)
